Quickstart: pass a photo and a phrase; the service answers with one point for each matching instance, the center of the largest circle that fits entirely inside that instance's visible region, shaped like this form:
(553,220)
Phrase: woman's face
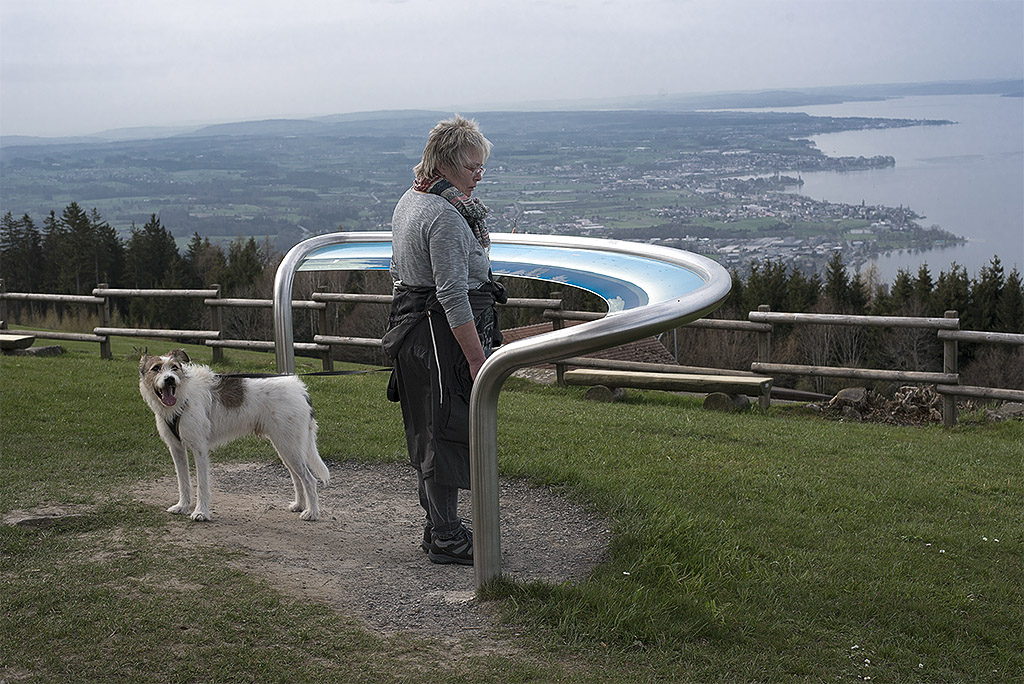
(466,176)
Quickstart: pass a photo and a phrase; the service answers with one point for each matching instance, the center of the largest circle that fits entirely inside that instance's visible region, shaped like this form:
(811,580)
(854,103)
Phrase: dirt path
(363,556)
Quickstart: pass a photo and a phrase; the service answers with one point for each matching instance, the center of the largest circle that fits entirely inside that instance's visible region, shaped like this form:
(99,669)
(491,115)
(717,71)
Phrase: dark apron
(431,378)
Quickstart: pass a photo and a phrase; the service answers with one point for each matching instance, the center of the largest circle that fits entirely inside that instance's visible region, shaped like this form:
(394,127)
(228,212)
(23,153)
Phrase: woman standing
(442,323)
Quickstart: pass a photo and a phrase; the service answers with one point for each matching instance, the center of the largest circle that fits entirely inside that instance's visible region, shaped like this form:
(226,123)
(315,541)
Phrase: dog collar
(173,423)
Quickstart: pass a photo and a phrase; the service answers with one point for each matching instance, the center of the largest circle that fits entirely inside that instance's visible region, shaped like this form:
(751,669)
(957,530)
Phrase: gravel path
(363,556)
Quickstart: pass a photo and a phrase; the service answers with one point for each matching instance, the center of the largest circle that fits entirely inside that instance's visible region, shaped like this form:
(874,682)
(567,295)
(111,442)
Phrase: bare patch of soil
(363,556)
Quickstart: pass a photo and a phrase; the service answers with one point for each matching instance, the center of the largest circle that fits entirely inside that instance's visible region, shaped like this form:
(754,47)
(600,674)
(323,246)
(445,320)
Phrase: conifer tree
(107,251)
(737,302)
(767,284)
(245,265)
(952,291)
(857,297)
(802,293)
(205,262)
(902,295)
(986,291)
(150,255)
(152,261)
(78,250)
(55,252)
(20,253)
(837,284)
(1010,311)
(924,292)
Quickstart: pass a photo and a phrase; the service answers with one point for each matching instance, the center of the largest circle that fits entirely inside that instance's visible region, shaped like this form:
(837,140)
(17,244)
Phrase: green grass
(770,546)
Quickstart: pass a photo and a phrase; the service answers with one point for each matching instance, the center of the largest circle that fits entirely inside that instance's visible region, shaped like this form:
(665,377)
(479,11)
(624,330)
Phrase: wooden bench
(750,385)
(11,341)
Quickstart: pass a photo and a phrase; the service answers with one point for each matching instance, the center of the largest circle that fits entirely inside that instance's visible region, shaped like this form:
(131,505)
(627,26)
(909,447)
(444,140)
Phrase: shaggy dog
(197,410)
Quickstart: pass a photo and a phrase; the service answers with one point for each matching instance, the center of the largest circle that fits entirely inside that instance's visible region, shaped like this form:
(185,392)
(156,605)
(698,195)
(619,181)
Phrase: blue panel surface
(624,281)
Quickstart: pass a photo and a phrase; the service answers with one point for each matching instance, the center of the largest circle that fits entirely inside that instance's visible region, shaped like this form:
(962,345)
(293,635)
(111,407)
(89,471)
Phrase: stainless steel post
(284,281)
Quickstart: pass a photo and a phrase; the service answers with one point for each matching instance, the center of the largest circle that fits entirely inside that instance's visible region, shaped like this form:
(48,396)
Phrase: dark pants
(434,387)
(441,504)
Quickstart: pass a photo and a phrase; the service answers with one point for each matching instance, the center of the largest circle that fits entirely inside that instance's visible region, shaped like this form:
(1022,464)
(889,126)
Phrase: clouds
(68,67)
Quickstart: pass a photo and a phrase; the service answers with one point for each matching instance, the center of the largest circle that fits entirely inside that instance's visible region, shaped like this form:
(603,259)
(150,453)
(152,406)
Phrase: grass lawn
(771,546)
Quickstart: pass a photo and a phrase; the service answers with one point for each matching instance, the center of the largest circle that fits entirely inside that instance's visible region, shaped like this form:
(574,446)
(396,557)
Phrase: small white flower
(984,538)
(625,573)
(942,550)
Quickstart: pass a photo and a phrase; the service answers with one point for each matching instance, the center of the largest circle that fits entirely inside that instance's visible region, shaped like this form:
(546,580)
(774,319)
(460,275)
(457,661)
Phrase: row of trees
(75,251)
(992,301)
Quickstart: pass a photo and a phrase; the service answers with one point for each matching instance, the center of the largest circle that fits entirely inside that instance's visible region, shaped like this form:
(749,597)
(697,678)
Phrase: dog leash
(282,375)
(175,421)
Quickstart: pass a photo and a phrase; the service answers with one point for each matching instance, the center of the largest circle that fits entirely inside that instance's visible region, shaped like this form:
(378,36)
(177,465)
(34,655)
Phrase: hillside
(622,173)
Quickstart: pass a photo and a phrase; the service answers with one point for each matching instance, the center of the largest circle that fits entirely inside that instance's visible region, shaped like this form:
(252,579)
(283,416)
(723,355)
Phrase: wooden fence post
(950,365)
(3,305)
(323,328)
(104,311)
(217,323)
(558,324)
(764,354)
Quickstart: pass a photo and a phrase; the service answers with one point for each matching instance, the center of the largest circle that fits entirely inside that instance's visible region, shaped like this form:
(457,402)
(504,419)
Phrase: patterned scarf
(472,209)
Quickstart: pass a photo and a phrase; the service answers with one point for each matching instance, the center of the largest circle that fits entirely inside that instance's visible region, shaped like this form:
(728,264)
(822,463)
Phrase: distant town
(734,204)
(773,203)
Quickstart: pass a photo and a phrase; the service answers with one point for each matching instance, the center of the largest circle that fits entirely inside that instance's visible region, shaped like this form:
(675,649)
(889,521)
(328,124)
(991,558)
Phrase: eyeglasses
(475,169)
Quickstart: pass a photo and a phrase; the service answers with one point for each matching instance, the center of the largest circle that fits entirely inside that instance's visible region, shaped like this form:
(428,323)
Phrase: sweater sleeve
(450,243)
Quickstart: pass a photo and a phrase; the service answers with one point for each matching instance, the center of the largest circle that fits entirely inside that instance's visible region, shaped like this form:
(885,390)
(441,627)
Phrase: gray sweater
(432,246)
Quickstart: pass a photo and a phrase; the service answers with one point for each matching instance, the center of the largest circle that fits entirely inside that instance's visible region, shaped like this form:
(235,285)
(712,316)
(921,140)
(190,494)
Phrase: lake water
(967,178)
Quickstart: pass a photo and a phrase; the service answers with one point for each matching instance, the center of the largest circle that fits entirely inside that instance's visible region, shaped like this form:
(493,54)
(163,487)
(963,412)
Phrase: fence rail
(978,336)
(765,316)
(64,298)
(154,332)
(923,377)
(262,303)
(58,335)
(103,291)
(760,323)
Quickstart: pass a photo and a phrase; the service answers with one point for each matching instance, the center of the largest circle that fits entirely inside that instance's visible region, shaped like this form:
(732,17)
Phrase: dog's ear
(180,356)
(144,363)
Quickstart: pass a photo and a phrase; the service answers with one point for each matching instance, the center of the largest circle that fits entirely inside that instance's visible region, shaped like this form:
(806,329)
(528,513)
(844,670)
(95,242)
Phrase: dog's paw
(179,508)
(296,506)
(309,514)
(201,516)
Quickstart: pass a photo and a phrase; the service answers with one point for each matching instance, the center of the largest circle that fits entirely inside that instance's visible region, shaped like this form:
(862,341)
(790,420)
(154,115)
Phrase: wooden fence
(760,323)
(947,383)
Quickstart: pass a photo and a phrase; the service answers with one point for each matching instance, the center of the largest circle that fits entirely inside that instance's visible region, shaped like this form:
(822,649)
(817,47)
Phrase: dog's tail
(316,464)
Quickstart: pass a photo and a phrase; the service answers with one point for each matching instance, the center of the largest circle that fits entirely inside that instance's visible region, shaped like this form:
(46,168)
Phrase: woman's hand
(469,341)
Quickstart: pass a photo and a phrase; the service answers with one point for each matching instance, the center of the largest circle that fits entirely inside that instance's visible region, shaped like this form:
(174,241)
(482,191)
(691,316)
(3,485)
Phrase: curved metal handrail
(615,329)
(284,280)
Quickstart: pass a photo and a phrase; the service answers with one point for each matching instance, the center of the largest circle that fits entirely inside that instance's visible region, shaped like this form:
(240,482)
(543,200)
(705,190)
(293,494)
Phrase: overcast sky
(74,67)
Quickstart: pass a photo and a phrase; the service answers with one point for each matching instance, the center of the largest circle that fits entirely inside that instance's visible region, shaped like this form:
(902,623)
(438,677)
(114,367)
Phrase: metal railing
(608,331)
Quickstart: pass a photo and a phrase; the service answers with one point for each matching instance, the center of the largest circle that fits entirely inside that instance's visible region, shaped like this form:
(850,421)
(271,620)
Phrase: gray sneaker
(457,549)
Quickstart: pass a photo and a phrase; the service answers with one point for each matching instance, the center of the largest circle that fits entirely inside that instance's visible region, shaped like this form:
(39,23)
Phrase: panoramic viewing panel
(624,281)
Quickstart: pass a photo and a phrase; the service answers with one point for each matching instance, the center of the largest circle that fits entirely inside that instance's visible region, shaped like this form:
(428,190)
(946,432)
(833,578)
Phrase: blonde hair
(450,144)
